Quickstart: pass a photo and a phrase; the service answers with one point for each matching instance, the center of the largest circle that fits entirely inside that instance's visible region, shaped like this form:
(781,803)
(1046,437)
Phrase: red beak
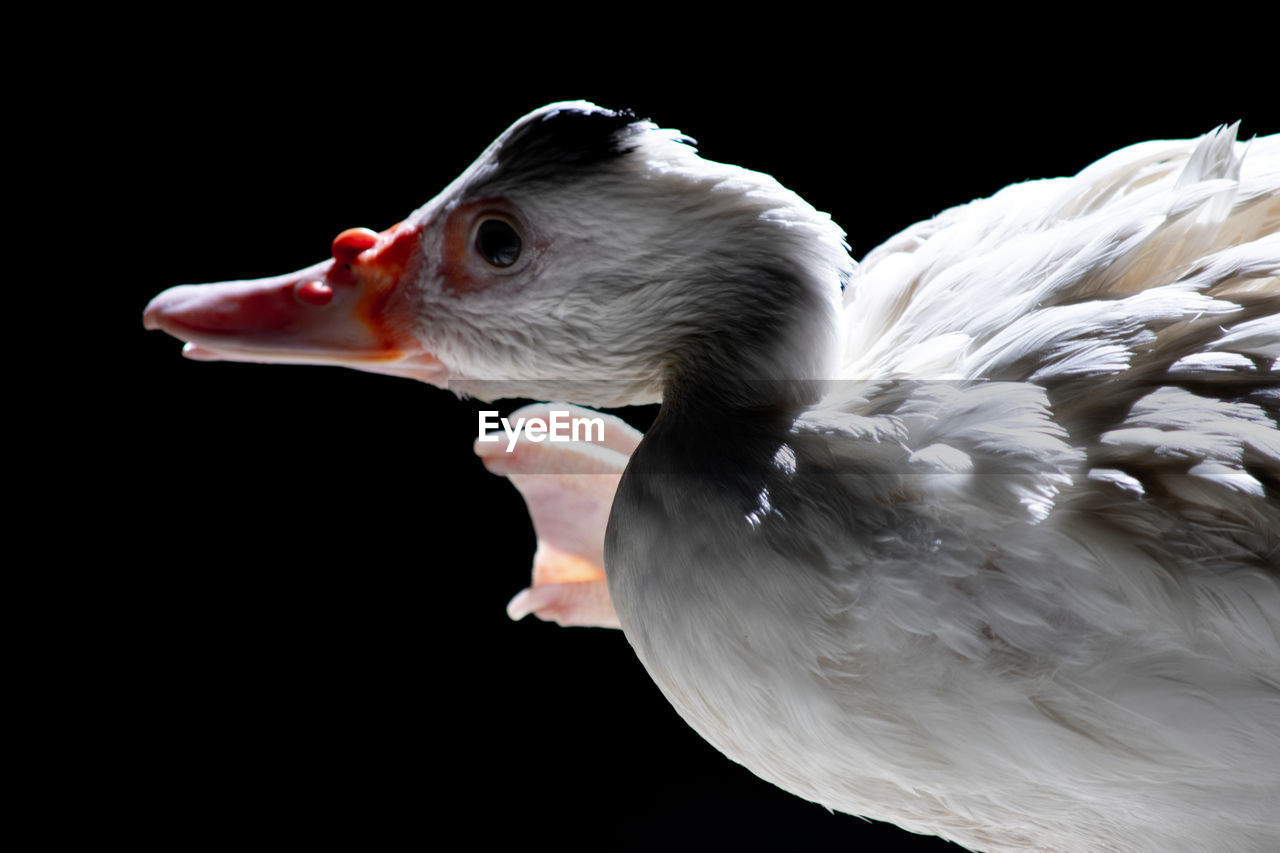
(353,310)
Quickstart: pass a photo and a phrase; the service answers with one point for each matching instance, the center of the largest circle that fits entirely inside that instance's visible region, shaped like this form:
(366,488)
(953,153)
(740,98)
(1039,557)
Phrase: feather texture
(1019,587)
(981,537)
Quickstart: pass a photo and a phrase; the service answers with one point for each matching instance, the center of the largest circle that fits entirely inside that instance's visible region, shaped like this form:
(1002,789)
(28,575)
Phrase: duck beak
(352,310)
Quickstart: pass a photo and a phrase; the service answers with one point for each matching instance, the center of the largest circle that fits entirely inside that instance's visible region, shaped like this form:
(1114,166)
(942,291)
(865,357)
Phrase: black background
(287,616)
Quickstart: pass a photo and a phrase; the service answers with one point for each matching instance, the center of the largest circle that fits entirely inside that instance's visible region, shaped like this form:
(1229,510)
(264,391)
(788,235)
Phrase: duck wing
(1057,438)
(1112,339)
(1071,277)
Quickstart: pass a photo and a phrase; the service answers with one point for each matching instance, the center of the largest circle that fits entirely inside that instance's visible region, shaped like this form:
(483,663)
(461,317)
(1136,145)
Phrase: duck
(979,535)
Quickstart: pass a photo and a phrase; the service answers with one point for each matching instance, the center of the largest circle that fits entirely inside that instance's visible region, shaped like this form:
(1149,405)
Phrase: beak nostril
(350,243)
(315,292)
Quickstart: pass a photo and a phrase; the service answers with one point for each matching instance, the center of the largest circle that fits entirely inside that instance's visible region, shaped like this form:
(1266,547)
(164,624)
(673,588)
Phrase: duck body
(990,606)
(980,537)
(988,693)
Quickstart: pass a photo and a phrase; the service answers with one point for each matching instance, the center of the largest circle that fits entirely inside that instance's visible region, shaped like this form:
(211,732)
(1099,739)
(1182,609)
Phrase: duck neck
(701,403)
(717,415)
(716,439)
(767,360)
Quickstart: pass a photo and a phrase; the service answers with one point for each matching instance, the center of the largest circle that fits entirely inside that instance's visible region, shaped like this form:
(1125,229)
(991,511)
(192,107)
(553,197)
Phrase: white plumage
(981,537)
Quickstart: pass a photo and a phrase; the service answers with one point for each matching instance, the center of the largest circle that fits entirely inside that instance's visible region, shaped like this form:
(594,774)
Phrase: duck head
(586,256)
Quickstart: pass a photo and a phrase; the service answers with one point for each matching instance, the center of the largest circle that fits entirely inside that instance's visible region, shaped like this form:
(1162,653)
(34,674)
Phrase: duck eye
(498,243)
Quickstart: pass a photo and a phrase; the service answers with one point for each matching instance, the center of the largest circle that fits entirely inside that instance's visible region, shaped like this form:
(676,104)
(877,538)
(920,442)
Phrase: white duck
(1030,604)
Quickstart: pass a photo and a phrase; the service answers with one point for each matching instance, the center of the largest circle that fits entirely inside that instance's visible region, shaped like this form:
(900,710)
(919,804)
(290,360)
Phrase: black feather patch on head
(572,136)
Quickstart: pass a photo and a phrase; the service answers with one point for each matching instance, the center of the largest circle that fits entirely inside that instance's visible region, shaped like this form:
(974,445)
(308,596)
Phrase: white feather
(980,537)
(1017,591)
